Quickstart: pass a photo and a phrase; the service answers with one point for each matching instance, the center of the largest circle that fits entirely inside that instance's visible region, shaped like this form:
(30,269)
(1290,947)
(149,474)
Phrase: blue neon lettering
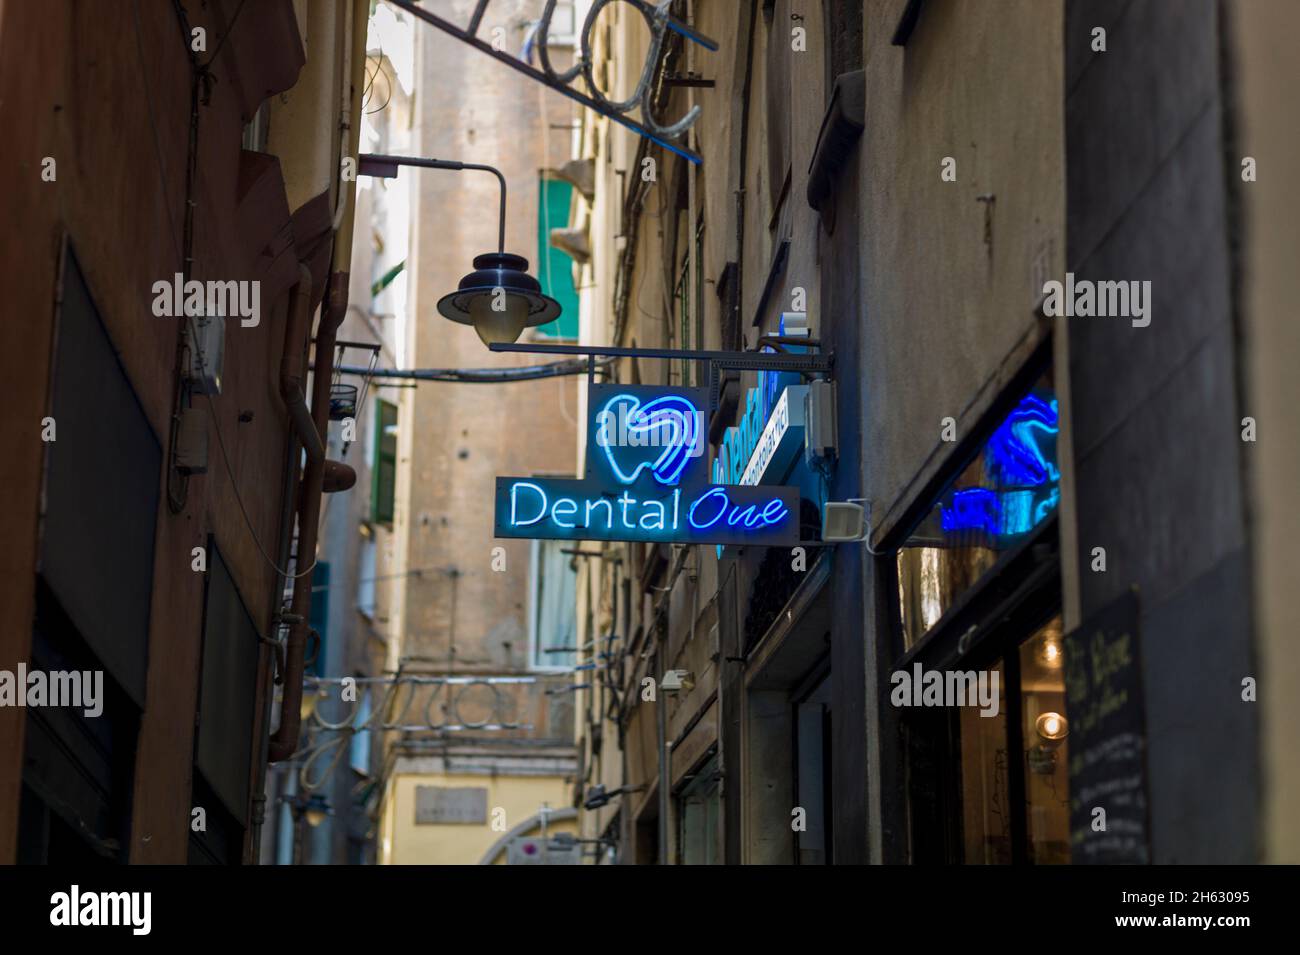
(777,515)
(514,504)
(722,509)
(631,513)
(569,510)
(609,512)
(747,515)
(659,524)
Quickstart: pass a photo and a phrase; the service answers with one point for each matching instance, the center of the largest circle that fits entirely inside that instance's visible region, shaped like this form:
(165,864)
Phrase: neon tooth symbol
(670,421)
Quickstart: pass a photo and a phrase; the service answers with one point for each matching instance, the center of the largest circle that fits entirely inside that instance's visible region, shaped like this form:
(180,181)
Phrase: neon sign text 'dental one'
(646,481)
(706,514)
(702,512)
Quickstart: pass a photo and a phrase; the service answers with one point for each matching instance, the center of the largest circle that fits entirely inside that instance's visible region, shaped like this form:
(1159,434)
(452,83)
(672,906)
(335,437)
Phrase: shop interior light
(1052,726)
(1051,654)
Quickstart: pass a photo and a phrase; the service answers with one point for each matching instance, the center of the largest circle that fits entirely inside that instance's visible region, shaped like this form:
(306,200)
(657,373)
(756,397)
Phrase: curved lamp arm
(385,167)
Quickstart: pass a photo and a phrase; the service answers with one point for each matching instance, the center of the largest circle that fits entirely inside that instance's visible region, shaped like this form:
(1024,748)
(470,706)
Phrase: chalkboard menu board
(1103,693)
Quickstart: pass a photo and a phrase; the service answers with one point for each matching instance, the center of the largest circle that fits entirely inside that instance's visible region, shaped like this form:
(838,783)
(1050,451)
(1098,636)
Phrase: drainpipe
(320,475)
(293,372)
(309,429)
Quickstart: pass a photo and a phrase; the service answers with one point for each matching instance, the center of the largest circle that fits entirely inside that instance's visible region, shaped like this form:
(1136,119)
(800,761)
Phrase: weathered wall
(946,284)
(1264,73)
(947,287)
(112,109)
(409,843)
(1157,447)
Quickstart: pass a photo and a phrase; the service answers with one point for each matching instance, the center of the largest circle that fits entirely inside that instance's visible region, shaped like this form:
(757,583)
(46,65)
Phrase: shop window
(997,501)
(553,633)
(1044,728)
(385,470)
(979,594)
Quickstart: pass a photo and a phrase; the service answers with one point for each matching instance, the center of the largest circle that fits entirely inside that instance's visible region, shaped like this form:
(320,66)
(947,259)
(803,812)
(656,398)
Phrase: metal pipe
(333,311)
(759,361)
(474,375)
(293,375)
(285,741)
(376,164)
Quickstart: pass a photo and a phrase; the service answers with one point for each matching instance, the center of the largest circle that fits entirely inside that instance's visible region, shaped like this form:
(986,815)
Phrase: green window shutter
(318,618)
(554,266)
(384,478)
(387,278)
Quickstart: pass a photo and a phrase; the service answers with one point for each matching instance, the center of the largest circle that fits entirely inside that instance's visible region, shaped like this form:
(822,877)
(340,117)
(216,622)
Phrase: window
(359,744)
(979,592)
(553,630)
(1009,489)
(366,574)
(564,25)
(1044,728)
(385,473)
(688,304)
(224,748)
(318,617)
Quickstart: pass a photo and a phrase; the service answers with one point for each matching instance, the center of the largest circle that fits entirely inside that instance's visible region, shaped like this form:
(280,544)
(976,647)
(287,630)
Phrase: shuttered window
(385,472)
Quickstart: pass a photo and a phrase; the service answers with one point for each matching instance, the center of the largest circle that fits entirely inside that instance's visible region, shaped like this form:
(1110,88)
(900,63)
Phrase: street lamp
(499,298)
(312,809)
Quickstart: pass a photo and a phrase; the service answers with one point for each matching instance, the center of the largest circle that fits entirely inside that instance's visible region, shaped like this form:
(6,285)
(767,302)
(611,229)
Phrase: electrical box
(819,421)
(843,521)
(205,337)
(191,455)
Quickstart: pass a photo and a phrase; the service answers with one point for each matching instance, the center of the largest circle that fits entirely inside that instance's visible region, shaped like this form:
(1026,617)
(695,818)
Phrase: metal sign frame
(659,22)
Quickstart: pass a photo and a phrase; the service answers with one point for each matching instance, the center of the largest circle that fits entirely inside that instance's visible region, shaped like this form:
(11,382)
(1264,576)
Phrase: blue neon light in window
(1019,464)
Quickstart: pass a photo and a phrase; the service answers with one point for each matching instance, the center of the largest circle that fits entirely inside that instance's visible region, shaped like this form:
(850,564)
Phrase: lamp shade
(499,299)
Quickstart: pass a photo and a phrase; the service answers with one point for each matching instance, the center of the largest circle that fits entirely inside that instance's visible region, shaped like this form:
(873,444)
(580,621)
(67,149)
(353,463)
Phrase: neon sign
(670,421)
(1019,463)
(646,480)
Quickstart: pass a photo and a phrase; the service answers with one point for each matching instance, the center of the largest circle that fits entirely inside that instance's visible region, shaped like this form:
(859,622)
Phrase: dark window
(224,744)
(93,591)
(101,493)
(996,502)
(78,770)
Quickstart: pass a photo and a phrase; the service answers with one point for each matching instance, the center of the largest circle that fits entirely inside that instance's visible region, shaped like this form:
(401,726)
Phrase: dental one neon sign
(646,480)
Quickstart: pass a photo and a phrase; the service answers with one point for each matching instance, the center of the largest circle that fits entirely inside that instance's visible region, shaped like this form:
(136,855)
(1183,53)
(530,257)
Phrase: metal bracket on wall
(658,20)
(802,363)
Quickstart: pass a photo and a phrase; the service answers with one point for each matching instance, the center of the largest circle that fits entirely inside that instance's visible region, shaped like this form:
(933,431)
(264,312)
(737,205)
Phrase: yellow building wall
(405,843)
